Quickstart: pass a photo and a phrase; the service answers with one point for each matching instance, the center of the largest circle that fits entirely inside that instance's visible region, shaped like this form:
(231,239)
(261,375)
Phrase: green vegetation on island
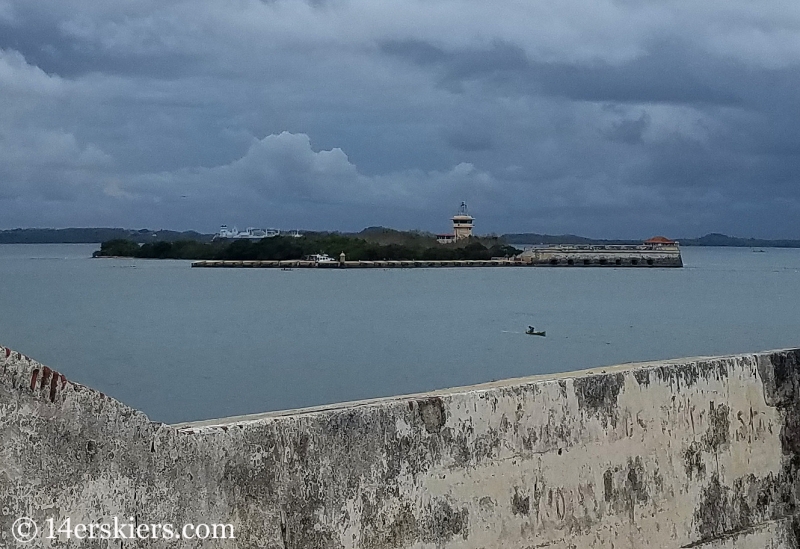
(355,248)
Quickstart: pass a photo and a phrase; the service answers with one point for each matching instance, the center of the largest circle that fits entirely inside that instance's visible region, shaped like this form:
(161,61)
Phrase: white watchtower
(462,223)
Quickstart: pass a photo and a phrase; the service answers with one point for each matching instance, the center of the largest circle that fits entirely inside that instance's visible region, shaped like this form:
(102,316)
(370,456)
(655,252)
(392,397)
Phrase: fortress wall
(642,258)
(689,453)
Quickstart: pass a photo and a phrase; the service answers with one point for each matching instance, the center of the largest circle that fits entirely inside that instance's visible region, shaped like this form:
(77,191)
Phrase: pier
(408,264)
(549,257)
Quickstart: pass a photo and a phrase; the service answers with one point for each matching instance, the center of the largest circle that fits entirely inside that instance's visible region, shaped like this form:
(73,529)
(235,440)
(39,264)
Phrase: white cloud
(286,167)
(20,78)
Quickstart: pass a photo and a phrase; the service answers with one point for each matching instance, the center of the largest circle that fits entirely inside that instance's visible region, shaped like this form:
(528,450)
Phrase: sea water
(187,344)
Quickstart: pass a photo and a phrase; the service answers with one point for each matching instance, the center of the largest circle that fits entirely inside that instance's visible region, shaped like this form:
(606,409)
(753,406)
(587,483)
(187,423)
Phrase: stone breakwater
(555,256)
(699,452)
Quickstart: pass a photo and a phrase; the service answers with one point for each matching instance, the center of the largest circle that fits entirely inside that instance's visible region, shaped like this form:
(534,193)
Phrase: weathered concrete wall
(600,256)
(693,453)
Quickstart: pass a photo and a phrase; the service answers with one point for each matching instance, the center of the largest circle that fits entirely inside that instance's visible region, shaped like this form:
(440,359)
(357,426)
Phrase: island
(369,245)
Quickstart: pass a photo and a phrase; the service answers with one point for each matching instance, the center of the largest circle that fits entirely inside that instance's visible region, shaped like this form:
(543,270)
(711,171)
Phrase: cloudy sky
(621,118)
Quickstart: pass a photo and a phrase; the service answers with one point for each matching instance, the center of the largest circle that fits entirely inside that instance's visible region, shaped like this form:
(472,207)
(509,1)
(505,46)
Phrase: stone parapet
(699,452)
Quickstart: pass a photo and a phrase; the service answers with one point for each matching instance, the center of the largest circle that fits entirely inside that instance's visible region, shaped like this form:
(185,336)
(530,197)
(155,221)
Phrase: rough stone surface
(691,453)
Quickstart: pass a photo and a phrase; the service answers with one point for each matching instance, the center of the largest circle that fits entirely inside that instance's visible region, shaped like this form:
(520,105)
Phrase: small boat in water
(532,331)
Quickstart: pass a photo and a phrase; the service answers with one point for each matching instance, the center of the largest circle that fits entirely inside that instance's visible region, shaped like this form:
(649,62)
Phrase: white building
(462,226)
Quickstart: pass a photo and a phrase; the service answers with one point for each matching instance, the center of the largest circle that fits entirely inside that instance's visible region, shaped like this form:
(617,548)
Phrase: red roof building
(659,240)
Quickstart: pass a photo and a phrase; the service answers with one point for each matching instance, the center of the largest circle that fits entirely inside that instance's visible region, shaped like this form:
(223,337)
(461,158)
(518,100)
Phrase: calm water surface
(185,344)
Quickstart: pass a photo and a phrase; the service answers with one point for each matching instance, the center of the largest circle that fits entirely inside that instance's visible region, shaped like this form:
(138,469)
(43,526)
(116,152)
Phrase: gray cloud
(629,131)
(469,140)
(608,119)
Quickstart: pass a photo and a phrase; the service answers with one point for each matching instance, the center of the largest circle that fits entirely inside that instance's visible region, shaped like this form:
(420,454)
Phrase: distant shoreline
(103,234)
(709,240)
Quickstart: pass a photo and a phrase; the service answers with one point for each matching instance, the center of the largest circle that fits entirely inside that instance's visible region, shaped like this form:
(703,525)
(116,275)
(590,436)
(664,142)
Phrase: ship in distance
(250,233)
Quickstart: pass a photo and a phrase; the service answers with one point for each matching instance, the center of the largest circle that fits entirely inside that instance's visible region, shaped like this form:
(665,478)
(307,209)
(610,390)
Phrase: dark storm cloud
(662,74)
(48,48)
(607,118)
(498,60)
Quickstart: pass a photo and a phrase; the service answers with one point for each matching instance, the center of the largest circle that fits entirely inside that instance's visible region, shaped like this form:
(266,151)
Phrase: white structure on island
(462,226)
(250,233)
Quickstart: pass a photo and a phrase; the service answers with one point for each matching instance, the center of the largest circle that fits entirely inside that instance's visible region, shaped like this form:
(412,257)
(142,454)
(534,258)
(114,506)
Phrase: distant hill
(716,239)
(535,238)
(94,235)
(712,239)
(385,236)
